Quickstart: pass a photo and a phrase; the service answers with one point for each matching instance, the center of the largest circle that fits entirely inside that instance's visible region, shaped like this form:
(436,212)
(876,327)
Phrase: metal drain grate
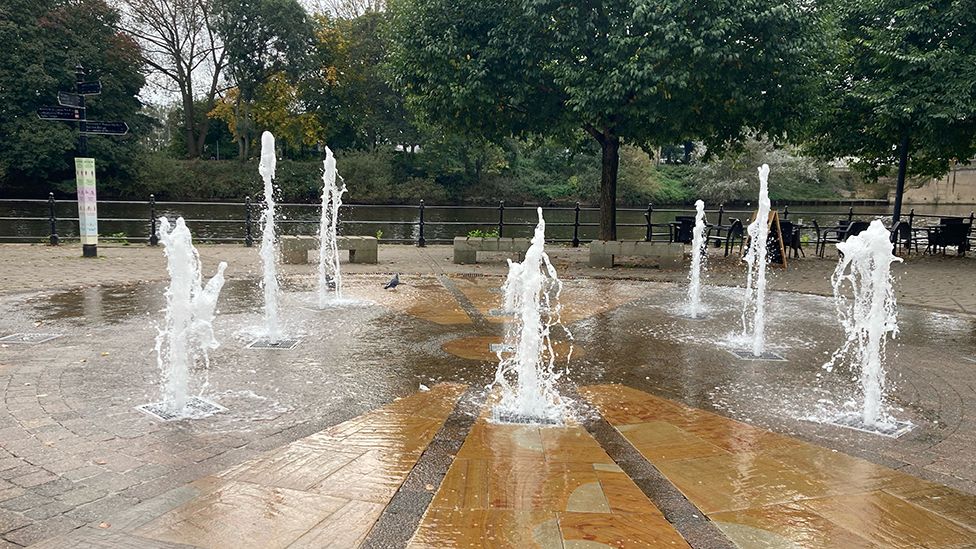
(25,338)
(890,430)
(525,420)
(196,408)
(280,345)
(743,354)
(501,348)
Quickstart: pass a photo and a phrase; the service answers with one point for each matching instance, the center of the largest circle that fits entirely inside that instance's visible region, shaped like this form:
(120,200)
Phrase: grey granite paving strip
(402,515)
(476,317)
(687,519)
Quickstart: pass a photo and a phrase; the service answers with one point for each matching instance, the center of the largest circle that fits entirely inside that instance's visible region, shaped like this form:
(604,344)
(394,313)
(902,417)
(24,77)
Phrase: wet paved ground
(75,452)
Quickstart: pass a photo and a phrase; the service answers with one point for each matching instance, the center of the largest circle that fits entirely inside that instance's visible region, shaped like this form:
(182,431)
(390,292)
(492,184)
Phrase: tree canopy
(43,42)
(900,88)
(649,72)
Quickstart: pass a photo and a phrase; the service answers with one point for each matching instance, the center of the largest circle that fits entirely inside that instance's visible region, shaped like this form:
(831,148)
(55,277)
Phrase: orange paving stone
(422,297)
(525,486)
(478,348)
(580,298)
(768,490)
(326,490)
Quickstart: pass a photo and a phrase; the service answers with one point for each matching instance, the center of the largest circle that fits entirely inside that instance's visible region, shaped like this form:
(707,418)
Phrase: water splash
(865,267)
(698,252)
(187,333)
(330,278)
(755,296)
(526,378)
(269,242)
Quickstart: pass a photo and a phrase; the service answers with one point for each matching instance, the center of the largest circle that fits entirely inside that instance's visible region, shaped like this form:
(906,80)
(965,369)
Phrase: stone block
(603,253)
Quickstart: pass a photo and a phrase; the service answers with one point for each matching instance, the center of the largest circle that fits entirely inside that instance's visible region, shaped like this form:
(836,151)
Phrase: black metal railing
(413,216)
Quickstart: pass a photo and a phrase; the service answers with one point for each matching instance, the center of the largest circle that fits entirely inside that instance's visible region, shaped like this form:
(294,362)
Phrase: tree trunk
(608,186)
(900,187)
(189,124)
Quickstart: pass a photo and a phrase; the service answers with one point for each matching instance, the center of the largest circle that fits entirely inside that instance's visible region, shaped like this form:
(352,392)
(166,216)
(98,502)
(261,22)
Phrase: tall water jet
(698,251)
(755,296)
(865,266)
(329,276)
(526,378)
(187,332)
(269,242)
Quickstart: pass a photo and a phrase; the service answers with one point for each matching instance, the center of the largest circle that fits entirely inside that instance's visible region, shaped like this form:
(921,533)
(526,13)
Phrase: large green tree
(43,42)
(900,89)
(650,72)
(261,38)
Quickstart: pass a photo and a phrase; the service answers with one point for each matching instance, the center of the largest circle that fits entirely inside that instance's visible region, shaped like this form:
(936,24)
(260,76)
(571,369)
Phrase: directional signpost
(94,127)
(70,99)
(71,108)
(69,114)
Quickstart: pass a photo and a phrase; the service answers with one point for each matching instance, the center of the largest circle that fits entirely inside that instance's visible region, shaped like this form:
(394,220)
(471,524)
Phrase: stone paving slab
(761,488)
(936,281)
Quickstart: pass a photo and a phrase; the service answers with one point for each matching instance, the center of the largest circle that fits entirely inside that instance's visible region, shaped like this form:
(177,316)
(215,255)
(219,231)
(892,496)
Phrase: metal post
(911,217)
(82,124)
(576,241)
(421,241)
(721,212)
(153,237)
(52,216)
(248,238)
(501,217)
(786,212)
(647,215)
(850,214)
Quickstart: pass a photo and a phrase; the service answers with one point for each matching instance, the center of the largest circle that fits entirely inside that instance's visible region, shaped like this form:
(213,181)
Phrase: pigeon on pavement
(393,283)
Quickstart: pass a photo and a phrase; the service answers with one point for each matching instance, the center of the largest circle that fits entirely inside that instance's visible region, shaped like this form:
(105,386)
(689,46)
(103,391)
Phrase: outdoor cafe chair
(841,233)
(733,232)
(902,237)
(683,229)
(950,234)
(791,238)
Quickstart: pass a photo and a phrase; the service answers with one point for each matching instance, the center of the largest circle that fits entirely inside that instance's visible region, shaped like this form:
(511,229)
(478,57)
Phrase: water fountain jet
(269,241)
(869,318)
(330,277)
(526,378)
(698,252)
(755,296)
(187,334)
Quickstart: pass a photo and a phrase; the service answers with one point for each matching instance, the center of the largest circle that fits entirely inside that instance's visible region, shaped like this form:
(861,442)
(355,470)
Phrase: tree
(43,42)
(651,72)
(351,90)
(179,43)
(900,89)
(261,38)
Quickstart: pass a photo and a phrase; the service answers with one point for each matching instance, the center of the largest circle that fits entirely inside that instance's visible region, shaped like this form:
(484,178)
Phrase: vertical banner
(87,206)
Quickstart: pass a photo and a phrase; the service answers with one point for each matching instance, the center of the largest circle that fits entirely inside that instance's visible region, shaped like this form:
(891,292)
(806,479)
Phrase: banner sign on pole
(87,205)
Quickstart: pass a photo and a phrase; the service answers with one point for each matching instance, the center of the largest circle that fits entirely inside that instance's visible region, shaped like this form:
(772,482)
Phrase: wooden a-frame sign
(775,247)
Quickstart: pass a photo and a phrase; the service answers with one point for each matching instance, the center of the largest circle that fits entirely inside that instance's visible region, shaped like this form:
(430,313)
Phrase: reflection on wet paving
(325,490)
(768,490)
(422,297)
(525,486)
(479,348)
(580,298)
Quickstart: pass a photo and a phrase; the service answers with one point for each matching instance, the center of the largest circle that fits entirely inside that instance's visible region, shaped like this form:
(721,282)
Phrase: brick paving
(74,452)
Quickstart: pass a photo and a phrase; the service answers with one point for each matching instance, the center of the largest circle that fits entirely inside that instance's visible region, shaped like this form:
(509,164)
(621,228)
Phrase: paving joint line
(477,318)
(402,515)
(693,525)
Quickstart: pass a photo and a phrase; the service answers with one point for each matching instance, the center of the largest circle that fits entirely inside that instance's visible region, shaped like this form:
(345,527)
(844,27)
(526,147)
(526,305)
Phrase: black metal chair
(726,235)
(901,237)
(841,233)
(683,229)
(791,238)
(950,234)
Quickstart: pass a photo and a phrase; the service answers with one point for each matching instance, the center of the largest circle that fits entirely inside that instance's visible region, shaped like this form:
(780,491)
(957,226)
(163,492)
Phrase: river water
(27,221)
